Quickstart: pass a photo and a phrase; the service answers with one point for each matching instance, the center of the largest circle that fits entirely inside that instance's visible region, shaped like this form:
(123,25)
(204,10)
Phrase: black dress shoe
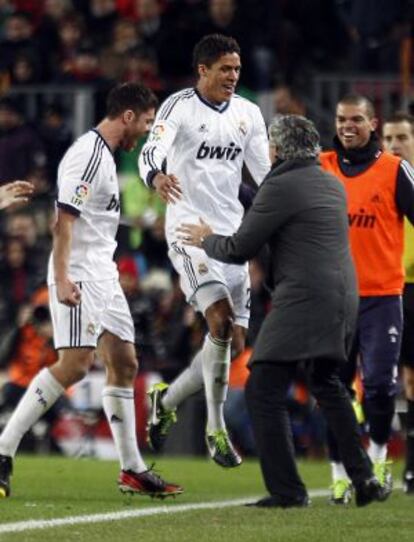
(276,501)
(370,490)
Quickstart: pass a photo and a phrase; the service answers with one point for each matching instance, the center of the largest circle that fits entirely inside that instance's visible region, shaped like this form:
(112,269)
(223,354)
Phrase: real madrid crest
(91,329)
(202,269)
(243,127)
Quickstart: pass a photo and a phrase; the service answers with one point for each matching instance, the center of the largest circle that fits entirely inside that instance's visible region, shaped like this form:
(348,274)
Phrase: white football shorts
(103,307)
(197,271)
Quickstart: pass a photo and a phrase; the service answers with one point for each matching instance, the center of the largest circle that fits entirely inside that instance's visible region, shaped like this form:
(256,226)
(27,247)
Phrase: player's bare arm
(68,292)
(15,192)
(167,187)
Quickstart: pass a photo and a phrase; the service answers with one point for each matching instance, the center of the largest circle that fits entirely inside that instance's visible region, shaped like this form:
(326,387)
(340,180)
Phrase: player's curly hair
(211,47)
(133,96)
(294,137)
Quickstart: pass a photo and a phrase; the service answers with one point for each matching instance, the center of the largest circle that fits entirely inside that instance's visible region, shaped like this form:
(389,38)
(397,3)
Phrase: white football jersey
(205,147)
(88,188)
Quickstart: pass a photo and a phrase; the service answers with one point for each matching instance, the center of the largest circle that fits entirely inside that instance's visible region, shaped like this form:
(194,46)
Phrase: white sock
(216,367)
(338,472)
(119,407)
(188,382)
(42,393)
(377,452)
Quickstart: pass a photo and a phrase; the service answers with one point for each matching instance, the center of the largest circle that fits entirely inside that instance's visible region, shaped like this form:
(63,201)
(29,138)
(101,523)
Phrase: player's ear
(128,116)
(202,70)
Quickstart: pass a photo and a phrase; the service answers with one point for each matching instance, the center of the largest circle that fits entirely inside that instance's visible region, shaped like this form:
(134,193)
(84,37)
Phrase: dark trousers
(377,343)
(266,394)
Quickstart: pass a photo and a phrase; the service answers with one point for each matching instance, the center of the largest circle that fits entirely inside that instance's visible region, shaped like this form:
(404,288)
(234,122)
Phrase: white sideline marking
(38,524)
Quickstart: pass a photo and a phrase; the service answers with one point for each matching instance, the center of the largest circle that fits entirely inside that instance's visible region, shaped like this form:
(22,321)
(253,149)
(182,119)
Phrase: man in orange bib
(380,191)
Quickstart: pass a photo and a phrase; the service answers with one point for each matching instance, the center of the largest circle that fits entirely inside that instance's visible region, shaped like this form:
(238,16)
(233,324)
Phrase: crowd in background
(98,42)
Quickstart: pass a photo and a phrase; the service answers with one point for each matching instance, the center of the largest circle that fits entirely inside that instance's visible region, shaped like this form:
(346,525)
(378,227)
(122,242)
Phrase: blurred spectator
(169,33)
(54,11)
(25,70)
(226,17)
(17,275)
(84,69)
(71,32)
(22,225)
(287,101)
(376,29)
(154,245)
(142,67)
(24,351)
(100,16)
(235,407)
(18,38)
(114,58)
(180,341)
(56,137)
(142,307)
(21,149)
(6,8)
(42,205)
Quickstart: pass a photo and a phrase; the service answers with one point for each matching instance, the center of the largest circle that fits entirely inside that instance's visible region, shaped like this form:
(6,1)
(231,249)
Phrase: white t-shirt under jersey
(205,147)
(88,188)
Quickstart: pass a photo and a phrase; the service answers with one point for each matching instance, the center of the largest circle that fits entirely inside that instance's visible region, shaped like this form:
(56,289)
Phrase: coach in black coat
(300,212)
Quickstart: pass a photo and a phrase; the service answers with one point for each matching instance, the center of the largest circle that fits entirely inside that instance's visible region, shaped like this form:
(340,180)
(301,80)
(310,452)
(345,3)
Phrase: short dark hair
(211,47)
(400,116)
(133,96)
(359,99)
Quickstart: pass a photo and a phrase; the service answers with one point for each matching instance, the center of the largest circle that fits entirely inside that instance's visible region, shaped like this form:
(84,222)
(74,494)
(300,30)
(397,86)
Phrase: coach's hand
(68,293)
(167,187)
(194,234)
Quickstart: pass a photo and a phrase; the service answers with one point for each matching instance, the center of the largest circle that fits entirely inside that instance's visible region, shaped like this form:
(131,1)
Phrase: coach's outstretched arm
(15,192)
(270,210)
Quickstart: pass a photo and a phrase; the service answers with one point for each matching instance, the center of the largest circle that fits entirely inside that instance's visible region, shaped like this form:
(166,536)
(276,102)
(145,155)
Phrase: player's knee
(72,367)
(126,368)
(221,326)
(79,371)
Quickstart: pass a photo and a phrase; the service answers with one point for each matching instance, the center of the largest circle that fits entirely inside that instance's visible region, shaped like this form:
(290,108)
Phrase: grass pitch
(48,488)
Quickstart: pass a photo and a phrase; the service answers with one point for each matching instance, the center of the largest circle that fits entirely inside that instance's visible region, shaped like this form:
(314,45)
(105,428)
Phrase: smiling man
(380,191)
(193,158)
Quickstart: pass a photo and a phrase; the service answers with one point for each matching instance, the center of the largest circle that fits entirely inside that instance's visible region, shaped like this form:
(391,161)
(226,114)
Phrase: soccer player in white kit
(193,158)
(87,304)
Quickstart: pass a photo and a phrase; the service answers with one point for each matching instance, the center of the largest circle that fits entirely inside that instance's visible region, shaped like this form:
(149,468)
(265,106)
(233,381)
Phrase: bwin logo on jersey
(217,151)
(114,204)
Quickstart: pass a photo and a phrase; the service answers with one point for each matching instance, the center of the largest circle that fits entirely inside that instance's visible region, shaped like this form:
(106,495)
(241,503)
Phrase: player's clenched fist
(68,293)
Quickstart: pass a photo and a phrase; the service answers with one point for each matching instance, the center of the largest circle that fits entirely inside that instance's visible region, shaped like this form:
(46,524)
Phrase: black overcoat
(300,211)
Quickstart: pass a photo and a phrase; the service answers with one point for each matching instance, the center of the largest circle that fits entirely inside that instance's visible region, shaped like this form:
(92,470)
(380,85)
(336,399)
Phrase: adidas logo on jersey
(227,153)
